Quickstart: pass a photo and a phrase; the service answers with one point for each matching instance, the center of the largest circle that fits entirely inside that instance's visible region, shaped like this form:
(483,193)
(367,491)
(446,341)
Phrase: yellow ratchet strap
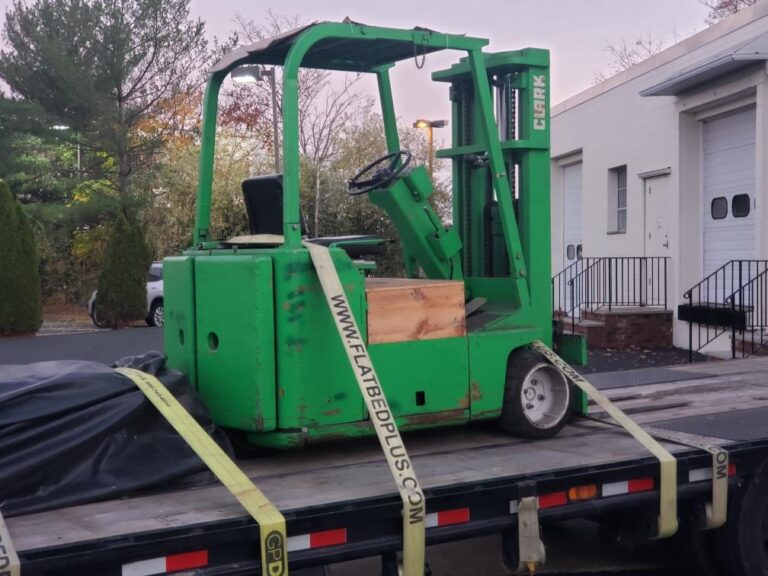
(274,559)
(530,547)
(378,409)
(668,464)
(717,511)
(9,561)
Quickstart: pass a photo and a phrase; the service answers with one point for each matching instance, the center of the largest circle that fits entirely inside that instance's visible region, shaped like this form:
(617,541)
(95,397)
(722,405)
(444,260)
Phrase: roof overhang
(742,56)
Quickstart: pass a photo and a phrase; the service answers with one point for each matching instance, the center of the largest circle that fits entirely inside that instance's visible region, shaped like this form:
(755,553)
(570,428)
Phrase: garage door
(729,189)
(572,224)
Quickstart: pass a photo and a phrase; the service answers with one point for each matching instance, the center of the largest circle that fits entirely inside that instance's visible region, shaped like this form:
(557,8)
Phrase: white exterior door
(728,175)
(656,229)
(572,219)
(657,212)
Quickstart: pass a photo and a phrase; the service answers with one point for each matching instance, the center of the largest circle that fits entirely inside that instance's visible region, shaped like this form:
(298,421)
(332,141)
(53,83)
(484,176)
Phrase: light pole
(252,73)
(429,125)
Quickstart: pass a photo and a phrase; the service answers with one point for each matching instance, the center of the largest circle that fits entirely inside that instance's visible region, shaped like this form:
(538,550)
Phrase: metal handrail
(597,260)
(589,284)
(718,290)
(567,268)
(706,281)
(730,298)
(570,283)
(556,279)
(757,309)
(687,294)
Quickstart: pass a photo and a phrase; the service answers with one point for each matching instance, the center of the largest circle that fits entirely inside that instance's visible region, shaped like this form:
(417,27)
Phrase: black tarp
(73,432)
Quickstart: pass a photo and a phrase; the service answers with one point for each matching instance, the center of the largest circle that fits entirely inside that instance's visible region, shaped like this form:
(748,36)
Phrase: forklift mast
(500,159)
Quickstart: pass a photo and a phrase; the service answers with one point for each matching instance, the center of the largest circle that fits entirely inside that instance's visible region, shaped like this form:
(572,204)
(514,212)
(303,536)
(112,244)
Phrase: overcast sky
(576,32)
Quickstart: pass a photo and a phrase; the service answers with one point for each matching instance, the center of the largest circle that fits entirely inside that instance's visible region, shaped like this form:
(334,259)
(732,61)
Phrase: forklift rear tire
(537,397)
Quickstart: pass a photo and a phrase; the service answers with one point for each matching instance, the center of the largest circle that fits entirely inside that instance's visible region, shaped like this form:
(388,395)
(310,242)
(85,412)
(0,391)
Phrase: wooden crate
(404,309)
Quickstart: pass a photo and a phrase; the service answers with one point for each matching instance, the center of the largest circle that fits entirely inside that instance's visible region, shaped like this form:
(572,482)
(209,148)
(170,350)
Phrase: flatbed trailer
(340,503)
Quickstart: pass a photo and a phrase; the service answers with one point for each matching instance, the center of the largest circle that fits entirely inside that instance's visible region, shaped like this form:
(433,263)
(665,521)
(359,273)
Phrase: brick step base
(627,327)
(749,345)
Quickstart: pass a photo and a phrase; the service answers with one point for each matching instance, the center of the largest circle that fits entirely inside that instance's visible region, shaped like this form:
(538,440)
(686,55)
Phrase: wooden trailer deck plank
(327,474)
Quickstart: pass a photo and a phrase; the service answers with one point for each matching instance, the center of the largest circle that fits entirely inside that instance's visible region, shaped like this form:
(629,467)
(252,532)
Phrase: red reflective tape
(186,561)
(640,485)
(553,499)
(328,538)
(731,470)
(448,517)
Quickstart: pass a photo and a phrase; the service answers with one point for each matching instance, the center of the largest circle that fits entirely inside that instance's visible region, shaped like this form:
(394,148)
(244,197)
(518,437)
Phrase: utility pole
(252,73)
(275,134)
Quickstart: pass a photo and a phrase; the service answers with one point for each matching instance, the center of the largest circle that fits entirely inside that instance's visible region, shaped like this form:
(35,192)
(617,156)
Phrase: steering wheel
(382,176)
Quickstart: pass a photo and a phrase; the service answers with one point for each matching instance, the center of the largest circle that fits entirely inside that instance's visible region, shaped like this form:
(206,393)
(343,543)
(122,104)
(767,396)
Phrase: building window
(740,206)
(719,208)
(570,252)
(617,200)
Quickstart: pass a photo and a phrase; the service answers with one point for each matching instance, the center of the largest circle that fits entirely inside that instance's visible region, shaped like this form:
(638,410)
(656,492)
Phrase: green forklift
(246,318)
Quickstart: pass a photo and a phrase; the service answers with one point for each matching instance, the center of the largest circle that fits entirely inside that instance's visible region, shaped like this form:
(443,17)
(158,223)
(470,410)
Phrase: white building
(670,158)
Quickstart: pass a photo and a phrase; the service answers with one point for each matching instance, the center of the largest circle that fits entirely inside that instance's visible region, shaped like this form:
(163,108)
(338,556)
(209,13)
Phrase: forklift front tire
(537,397)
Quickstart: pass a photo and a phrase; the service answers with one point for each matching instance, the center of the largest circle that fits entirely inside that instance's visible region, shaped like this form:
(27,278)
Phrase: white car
(154,299)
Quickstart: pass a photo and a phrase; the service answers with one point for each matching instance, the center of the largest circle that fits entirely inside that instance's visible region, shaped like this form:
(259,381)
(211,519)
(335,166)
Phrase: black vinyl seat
(263,196)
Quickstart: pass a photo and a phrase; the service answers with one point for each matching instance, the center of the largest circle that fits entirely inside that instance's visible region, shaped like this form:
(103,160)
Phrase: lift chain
(420,63)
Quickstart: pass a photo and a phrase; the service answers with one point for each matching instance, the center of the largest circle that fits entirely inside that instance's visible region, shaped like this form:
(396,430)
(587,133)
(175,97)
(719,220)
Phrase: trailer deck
(339,500)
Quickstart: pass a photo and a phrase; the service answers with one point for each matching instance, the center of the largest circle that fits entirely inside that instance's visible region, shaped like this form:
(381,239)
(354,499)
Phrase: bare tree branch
(722,9)
(626,53)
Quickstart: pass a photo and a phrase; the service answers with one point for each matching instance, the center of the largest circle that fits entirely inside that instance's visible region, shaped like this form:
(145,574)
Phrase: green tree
(17,117)
(20,302)
(122,296)
(170,219)
(112,72)
(39,169)
(101,67)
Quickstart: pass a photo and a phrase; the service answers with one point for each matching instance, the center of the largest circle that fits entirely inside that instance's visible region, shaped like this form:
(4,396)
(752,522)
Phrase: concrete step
(583,322)
(603,313)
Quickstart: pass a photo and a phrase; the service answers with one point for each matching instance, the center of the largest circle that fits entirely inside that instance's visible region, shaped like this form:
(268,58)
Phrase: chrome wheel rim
(545,396)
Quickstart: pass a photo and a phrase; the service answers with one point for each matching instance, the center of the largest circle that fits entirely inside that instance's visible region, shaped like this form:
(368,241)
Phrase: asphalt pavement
(101,346)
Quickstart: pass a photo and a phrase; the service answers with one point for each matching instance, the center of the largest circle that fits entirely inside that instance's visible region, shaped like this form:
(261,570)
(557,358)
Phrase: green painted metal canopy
(348,46)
